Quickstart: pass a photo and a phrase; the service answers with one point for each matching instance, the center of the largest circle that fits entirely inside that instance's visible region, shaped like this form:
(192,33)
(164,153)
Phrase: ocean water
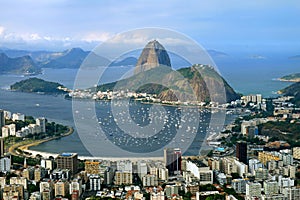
(244,75)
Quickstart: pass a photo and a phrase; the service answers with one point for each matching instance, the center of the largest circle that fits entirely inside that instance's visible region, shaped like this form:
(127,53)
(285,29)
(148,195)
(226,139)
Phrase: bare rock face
(153,55)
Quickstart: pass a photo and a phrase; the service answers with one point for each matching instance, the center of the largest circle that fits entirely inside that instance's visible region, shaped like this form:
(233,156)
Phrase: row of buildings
(10,130)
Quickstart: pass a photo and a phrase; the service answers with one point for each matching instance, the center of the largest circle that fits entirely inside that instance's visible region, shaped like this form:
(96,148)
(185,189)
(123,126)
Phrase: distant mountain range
(19,65)
(71,58)
(31,62)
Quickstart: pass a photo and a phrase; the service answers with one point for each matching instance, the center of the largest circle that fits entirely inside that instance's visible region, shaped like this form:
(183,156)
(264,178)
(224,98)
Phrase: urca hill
(153,74)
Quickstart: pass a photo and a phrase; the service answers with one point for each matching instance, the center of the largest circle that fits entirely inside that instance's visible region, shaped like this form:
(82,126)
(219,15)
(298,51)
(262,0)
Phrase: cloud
(96,36)
(144,35)
(2,29)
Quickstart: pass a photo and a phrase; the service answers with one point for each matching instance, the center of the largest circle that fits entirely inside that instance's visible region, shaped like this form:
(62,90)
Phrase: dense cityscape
(244,163)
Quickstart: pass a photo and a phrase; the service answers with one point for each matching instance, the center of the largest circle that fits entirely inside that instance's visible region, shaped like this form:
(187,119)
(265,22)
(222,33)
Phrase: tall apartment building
(241,152)
(296,152)
(109,175)
(172,159)
(46,190)
(61,188)
(253,189)
(123,178)
(270,187)
(228,165)
(47,163)
(261,174)
(18,117)
(239,185)
(76,186)
(5,164)
(142,168)
(68,161)
(2,119)
(95,182)
(2,147)
(124,166)
(42,123)
(200,171)
(149,180)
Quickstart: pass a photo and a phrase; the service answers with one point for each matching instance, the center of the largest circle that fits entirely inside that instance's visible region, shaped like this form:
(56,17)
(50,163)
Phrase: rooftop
(68,154)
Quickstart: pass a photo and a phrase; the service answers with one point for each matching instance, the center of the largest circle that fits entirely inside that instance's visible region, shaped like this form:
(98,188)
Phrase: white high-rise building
(18,117)
(5,164)
(4,131)
(163,173)
(42,123)
(142,168)
(124,166)
(241,168)
(95,183)
(47,164)
(254,164)
(9,130)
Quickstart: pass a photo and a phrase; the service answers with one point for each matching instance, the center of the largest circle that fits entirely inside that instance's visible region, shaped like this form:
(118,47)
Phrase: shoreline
(26,144)
(291,80)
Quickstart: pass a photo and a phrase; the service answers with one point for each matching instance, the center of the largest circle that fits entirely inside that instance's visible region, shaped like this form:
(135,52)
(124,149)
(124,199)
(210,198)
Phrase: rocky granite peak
(153,55)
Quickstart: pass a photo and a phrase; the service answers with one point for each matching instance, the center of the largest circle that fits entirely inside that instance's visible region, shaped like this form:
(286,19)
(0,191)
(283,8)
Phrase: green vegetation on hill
(165,82)
(291,77)
(37,85)
(283,130)
(292,90)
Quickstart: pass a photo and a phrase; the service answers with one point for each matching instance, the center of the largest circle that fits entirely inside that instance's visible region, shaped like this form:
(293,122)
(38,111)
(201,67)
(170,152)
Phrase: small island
(291,78)
(36,85)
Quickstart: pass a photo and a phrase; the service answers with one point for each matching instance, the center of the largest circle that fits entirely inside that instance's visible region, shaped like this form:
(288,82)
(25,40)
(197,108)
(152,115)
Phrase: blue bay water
(244,75)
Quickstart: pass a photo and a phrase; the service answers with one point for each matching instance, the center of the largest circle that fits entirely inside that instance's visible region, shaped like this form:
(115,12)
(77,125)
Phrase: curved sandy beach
(24,145)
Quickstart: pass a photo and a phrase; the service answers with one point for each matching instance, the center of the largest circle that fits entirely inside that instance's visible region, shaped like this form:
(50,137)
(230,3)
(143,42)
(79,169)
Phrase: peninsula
(291,78)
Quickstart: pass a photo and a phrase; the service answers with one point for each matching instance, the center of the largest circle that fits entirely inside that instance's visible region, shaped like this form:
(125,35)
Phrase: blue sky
(222,25)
